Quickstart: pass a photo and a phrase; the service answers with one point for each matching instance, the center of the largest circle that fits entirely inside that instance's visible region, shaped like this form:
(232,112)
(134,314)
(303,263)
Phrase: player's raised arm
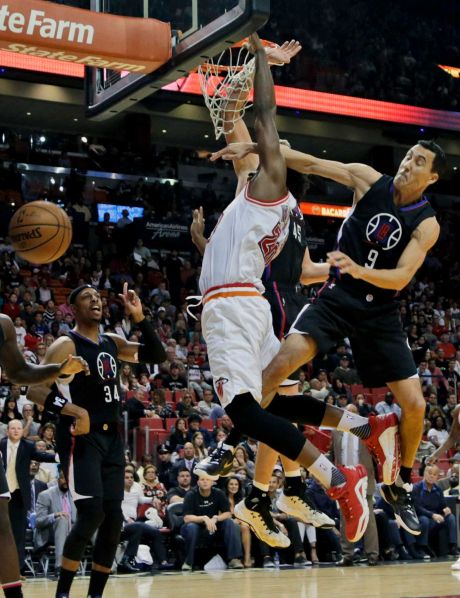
(358,177)
(269,184)
(21,372)
(151,351)
(47,393)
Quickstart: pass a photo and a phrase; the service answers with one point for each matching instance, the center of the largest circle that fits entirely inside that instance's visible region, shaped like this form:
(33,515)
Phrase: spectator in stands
(241,460)
(12,308)
(141,254)
(207,518)
(124,220)
(135,407)
(364,409)
(47,472)
(177,493)
(449,408)
(55,515)
(194,425)
(179,434)
(206,405)
(159,405)
(195,377)
(164,465)
(388,405)
(47,434)
(431,507)
(185,407)
(318,390)
(154,489)
(188,461)
(10,410)
(175,381)
(137,532)
(438,433)
(234,492)
(20,332)
(344,373)
(424,373)
(304,385)
(126,376)
(198,444)
(31,429)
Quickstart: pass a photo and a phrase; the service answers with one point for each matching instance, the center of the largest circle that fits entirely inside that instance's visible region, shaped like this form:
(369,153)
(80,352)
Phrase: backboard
(200,28)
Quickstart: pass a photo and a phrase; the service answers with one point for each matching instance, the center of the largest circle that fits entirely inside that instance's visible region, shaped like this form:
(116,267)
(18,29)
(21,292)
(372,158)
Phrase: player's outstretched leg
(9,564)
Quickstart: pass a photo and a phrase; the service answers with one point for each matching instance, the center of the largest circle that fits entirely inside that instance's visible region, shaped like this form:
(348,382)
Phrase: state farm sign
(48,30)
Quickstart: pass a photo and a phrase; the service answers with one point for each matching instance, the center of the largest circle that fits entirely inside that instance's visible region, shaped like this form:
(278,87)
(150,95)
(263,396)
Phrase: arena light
(286,97)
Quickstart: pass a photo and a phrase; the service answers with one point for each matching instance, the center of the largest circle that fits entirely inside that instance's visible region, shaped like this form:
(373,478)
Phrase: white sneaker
(456,566)
(261,522)
(303,510)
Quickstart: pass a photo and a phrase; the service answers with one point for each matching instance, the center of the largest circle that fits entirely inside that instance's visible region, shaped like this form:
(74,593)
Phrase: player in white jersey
(236,319)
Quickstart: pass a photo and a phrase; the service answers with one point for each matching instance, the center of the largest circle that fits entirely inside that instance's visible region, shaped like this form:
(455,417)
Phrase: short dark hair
(440,161)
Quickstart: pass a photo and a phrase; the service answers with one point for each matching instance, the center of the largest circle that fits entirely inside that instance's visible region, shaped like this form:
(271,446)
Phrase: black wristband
(151,350)
(55,402)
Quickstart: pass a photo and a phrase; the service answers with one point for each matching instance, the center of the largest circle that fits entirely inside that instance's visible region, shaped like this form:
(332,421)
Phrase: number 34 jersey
(248,236)
(375,234)
(98,392)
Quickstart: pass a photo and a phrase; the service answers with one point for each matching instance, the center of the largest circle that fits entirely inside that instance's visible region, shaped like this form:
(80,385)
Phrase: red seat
(320,438)
(207,424)
(151,423)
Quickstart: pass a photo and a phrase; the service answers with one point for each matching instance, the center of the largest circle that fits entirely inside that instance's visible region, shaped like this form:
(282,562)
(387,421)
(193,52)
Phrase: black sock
(254,497)
(64,583)
(97,583)
(293,486)
(234,438)
(13,590)
(406,474)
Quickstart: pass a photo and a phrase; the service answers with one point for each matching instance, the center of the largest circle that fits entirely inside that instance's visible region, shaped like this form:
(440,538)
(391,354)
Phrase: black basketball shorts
(93,464)
(285,306)
(380,348)
(4,491)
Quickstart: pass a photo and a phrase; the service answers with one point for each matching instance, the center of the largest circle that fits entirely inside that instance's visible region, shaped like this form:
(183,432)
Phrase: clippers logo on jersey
(219,384)
(384,230)
(106,366)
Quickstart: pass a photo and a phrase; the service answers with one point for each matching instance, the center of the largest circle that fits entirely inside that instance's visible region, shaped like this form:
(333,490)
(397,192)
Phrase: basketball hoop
(226,82)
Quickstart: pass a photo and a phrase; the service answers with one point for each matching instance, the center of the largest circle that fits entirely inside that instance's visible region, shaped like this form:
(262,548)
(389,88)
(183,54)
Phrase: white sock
(292,474)
(322,470)
(351,420)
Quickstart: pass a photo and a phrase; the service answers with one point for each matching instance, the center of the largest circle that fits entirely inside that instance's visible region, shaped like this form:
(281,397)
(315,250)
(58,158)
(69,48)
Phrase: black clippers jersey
(376,233)
(99,392)
(286,268)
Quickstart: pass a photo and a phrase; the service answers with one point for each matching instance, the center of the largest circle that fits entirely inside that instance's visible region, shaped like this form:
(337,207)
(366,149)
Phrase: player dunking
(282,290)
(94,463)
(21,372)
(380,247)
(237,320)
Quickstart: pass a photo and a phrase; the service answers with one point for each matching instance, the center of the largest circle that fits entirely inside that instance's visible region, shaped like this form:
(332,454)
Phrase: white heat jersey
(248,236)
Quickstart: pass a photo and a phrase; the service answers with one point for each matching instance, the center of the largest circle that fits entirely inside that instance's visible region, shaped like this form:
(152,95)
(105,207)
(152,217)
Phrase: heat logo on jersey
(219,385)
(384,230)
(106,366)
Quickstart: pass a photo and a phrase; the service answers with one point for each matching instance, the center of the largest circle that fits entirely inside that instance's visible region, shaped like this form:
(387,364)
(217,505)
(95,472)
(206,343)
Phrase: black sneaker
(218,463)
(400,499)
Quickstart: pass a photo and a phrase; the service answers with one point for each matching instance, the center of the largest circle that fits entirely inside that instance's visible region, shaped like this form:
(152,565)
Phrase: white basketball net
(226,82)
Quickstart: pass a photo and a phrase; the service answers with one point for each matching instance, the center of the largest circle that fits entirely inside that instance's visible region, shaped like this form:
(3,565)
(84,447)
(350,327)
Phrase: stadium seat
(152,423)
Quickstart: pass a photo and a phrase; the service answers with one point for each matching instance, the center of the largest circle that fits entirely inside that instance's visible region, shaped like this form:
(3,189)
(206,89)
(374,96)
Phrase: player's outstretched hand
(344,263)
(131,303)
(81,424)
(279,55)
(197,226)
(234,151)
(73,365)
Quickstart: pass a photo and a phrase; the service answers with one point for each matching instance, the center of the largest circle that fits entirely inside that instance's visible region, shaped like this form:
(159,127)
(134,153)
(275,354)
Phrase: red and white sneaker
(351,496)
(384,445)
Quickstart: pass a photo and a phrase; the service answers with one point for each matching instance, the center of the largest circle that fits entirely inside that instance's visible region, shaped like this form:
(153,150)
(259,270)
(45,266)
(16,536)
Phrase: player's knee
(113,513)
(90,515)
(5,527)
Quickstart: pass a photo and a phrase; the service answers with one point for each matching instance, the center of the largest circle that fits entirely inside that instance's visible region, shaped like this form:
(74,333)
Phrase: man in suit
(348,449)
(55,514)
(36,486)
(17,453)
(187,462)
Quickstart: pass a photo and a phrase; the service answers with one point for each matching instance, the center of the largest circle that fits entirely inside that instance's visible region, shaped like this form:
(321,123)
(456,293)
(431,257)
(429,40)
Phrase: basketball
(40,232)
